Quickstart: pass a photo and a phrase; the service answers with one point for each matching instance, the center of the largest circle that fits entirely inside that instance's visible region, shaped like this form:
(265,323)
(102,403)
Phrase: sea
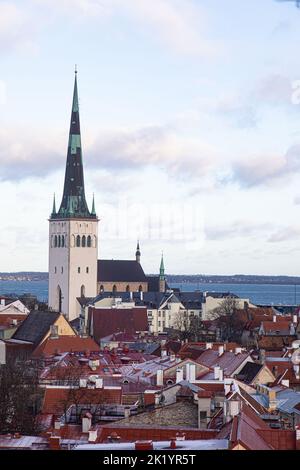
(261,294)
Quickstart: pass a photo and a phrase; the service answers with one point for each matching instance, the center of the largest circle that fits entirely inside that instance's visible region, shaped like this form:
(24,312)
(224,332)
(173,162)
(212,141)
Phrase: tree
(227,320)
(189,327)
(20,396)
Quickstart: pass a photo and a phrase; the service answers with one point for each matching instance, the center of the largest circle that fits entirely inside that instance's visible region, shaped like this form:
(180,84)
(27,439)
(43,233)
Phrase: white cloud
(16,27)
(178,24)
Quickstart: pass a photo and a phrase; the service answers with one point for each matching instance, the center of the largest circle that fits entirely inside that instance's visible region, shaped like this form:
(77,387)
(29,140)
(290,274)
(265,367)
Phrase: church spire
(162,269)
(54,206)
(73,202)
(138,252)
(93,206)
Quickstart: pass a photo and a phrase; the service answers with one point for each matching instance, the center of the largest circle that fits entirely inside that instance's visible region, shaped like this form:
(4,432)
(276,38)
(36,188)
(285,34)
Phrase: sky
(190,121)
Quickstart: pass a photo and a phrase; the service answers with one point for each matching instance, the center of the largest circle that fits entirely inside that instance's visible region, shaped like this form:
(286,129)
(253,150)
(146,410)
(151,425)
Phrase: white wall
(70,258)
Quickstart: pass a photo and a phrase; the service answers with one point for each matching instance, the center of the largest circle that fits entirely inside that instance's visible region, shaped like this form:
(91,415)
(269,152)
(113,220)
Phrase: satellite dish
(296,357)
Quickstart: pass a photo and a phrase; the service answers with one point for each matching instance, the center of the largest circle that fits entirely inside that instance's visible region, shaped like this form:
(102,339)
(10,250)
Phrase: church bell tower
(73,233)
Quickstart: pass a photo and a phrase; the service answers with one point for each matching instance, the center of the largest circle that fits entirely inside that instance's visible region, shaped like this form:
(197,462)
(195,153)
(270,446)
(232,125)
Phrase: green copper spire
(54,206)
(93,206)
(162,269)
(73,204)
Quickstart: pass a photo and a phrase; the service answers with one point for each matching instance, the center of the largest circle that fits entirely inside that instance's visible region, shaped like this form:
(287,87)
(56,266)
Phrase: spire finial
(138,252)
(93,206)
(75,69)
(54,206)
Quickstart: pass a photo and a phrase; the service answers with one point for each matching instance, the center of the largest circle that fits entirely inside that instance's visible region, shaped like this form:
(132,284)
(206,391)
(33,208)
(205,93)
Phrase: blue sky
(190,122)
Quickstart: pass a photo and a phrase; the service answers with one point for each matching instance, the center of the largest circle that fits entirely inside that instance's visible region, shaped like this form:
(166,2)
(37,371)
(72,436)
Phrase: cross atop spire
(73,204)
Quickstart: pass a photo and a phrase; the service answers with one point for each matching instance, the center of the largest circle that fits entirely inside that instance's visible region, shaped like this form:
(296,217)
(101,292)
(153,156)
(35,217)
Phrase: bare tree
(188,327)
(227,320)
(20,396)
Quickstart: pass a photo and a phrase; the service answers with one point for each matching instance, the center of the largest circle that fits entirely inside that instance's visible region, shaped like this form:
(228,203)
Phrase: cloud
(158,146)
(266,169)
(23,155)
(285,234)
(240,228)
(240,113)
(275,89)
(178,24)
(16,27)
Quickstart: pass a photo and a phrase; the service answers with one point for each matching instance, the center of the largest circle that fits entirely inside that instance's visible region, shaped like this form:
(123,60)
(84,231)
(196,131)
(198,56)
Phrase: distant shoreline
(176,278)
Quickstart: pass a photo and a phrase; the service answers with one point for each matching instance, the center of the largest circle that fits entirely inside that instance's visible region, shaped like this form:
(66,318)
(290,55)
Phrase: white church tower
(73,233)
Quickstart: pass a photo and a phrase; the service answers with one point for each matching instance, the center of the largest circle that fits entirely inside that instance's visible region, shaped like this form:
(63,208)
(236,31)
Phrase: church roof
(120,271)
(35,326)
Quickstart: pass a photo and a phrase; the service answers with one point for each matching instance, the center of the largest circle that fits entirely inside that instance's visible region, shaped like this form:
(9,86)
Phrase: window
(128,288)
(83,241)
(87,270)
(101,288)
(114,289)
(159,313)
(89,241)
(59,241)
(82,291)
(159,323)
(140,288)
(78,270)
(55,269)
(62,270)
(62,241)
(55,241)
(164,314)
(78,240)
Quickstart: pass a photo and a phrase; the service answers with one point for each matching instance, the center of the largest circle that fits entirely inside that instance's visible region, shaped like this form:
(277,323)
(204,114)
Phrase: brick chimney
(298,437)
(54,443)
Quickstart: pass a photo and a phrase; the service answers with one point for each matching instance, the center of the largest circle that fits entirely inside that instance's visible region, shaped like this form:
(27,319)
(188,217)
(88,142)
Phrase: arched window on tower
(140,288)
(63,241)
(89,241)
(83,241)
(114,289)
(55,241)
(59,298)
(128,288)
(78,240)
(82,291)
(95,242)
(59,241)
(101,288)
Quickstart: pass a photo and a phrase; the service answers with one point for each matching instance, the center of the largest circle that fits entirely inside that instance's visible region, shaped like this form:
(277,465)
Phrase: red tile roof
(244,430)
(6,319)
(57,399)
(139,432)
(65,344)
(228,361)
(106,321)
(271,327)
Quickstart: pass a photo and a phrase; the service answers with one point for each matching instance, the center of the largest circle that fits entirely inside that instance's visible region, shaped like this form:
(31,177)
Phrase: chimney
(295,319)
(179,375)
(86,422)
(221,350)
(274,318)
(126,412)
(192,373)
(82,383)
(99,383)
(285,383)
(187,372)
(238,350)
(173,444)
(160,378)
(296,368)
(57,424)
(3,302)
(216,372)
(54,443)
(227,386)
(144,445)
(131,296)
(221,374)
(262,356)
(298,437)
(92,435)
(141,295)
(208,345)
